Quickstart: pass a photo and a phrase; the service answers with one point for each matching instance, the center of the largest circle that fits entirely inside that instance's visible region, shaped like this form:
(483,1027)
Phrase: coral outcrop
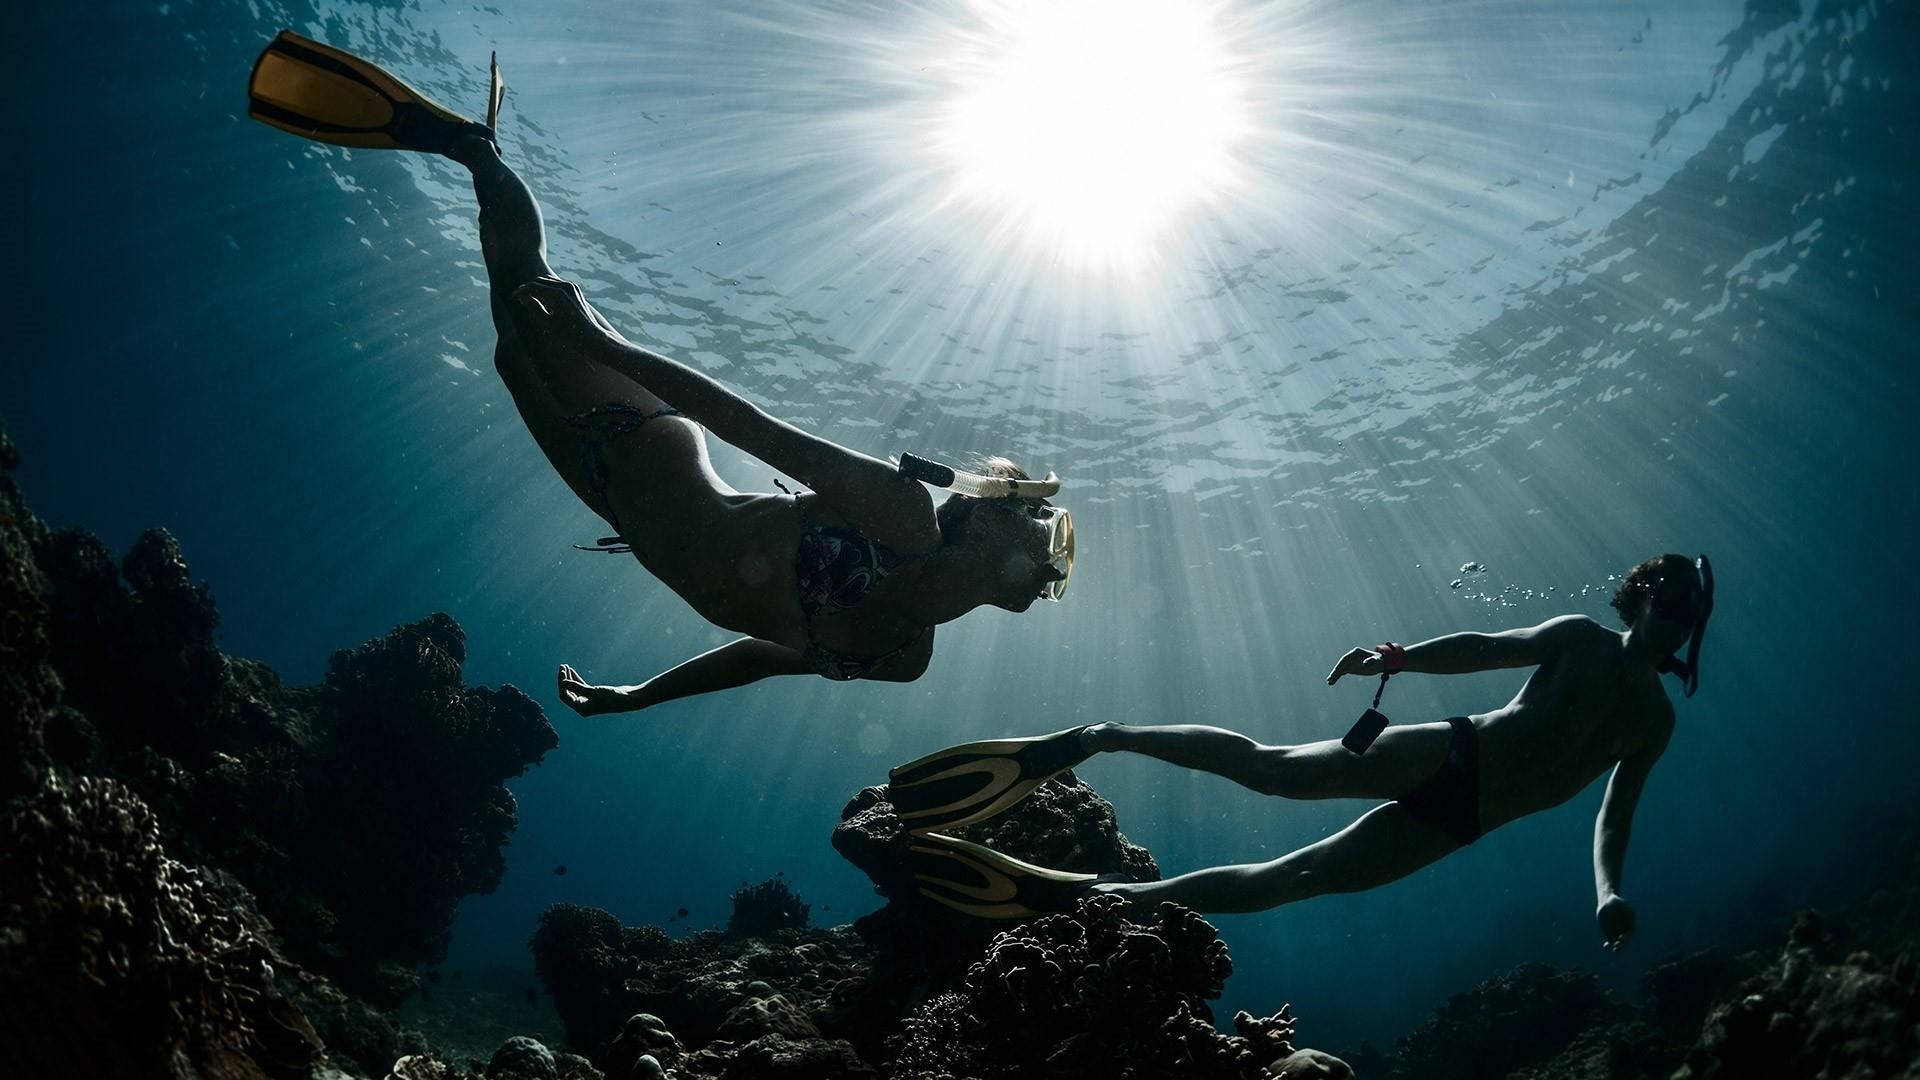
(764,908)
(1509,1021)
(602,976)
(1820,1006)
(358,812)
(1092,994)
(122,961)
(187,848)
(1063,824)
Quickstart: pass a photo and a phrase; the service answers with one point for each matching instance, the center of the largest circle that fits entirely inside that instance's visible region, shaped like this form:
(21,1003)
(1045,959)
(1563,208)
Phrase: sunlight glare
(1095,122)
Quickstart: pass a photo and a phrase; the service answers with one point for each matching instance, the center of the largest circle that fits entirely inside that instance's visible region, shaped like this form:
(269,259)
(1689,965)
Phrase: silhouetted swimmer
(1594,702)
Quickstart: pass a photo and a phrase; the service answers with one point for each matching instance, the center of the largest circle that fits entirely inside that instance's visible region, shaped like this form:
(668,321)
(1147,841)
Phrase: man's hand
(585,698)
(1616,922)
(1356,662)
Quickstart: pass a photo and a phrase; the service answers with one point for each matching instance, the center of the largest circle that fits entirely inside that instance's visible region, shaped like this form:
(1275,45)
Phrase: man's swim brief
(1451,796)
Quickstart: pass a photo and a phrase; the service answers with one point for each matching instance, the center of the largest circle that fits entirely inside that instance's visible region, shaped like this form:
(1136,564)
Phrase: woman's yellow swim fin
(319,92)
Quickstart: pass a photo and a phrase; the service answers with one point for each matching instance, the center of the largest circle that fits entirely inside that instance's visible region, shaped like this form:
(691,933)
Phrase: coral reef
(518,1058)
(1821,1006)
(1817,1010)
(804,984)
(759,910)
(190,848)
(1092,994)
(1509,1021)
(358,812)
(1063,824)
(143,966)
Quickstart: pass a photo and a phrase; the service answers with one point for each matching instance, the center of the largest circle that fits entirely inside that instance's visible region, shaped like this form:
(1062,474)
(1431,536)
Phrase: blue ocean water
(1547,287)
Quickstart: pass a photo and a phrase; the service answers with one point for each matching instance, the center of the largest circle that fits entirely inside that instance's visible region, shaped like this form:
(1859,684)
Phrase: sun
(1095,123)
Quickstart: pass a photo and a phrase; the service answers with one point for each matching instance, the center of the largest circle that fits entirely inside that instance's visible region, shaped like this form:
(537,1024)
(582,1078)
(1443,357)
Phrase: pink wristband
(1393,657)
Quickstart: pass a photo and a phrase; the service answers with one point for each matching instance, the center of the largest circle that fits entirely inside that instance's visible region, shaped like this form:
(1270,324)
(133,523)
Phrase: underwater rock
(1064,824)
(636,982)
(1309,1065)
(358,812)
(643,1050)
(761,909)
(1093,994)
(1813,1013)
(118,960)
(776,1057)
(519,1058)
(189,844)
(1509,1022)
(29,689)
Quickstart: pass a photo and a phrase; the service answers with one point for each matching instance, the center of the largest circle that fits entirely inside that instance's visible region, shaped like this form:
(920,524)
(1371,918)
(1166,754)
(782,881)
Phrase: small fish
(1473,568)
(681,914)
(560,871)
(1456,583)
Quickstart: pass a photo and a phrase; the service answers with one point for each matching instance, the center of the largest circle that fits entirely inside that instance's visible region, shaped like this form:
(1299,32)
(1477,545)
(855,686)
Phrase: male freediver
(1593,702)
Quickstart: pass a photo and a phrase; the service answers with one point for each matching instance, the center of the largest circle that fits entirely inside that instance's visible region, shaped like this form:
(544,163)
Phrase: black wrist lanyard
(1371,723)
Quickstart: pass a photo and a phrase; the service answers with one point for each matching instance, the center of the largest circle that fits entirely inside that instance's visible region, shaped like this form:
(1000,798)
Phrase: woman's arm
(869,492)
(736,663)
(1458,654)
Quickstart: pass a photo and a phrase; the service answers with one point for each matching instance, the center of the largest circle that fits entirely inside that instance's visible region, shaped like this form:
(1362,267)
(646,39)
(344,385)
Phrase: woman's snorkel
(1012,492)
(961,482)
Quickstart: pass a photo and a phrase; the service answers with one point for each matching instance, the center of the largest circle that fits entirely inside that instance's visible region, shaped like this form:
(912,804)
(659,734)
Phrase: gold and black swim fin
(979,881)
(974,781)
(319,92)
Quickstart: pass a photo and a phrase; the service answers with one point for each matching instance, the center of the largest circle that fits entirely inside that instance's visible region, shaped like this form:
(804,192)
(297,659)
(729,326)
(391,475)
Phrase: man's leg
(1402,758)
(1386,844)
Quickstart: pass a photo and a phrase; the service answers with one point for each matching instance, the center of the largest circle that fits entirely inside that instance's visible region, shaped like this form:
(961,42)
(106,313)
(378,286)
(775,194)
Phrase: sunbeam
(1093,123)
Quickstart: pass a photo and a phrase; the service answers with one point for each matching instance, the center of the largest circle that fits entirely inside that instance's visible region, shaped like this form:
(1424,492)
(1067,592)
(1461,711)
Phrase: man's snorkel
(1689,669)
(980,487)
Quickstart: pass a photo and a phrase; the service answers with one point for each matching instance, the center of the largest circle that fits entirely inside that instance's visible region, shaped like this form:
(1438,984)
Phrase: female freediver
(846,581)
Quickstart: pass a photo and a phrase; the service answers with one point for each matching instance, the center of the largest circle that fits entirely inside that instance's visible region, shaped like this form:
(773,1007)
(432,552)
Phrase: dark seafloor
(206,873)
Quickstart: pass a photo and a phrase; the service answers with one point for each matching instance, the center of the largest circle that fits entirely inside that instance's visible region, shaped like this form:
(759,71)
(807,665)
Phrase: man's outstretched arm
(1458,654)
(1611,831)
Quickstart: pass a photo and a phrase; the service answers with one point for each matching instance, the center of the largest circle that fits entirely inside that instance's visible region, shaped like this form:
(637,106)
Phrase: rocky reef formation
(614,985)
(358,811)
(1818,1005)
(1092,994)
(1063,824)
(122,961)
(1072,995)
(916,990)
(204,872)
